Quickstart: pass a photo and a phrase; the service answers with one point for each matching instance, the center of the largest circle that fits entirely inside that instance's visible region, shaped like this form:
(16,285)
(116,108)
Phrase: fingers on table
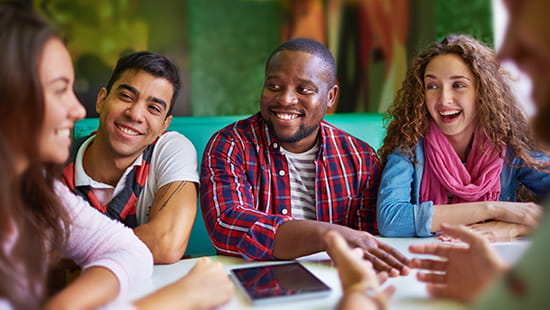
(393,252)
(383,261)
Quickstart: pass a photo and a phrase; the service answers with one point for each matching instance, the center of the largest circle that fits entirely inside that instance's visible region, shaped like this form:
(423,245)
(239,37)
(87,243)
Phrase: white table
(410,293)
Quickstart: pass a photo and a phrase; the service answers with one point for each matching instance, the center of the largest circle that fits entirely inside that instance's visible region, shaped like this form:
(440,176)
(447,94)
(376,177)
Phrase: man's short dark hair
(155,64)
(311,47)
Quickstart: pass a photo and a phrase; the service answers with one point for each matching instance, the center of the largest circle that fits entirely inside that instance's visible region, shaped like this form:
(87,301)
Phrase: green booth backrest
(198,129)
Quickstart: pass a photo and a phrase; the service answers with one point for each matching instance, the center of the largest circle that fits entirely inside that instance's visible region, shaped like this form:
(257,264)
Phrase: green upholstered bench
(366,126)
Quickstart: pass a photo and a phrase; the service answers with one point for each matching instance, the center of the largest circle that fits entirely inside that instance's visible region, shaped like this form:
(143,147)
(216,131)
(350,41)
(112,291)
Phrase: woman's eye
(61,91)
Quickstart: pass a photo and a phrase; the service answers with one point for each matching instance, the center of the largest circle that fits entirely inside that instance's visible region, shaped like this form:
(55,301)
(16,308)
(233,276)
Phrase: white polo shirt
(174,159)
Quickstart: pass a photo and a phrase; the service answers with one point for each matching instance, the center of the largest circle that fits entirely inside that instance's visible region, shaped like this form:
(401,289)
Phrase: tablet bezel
(326,289)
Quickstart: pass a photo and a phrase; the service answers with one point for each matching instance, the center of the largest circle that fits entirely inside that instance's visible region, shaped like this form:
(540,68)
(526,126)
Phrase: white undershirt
(301,169)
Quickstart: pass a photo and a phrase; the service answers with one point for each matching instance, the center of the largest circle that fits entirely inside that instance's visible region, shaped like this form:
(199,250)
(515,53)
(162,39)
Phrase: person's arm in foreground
(111,256)
(171,218)
(360,284)
(466,269)
(206,286)
(94,287)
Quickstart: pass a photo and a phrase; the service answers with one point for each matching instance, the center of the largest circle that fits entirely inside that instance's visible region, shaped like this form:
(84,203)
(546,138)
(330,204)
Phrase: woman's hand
(497,231)
(526,213)
(206,286)
(494,231)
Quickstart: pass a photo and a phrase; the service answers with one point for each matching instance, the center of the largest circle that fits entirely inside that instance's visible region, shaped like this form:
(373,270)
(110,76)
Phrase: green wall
(221,45)
(229,43)
(465,16)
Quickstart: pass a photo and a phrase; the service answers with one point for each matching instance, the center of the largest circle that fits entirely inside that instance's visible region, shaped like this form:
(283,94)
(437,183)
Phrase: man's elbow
(169,253)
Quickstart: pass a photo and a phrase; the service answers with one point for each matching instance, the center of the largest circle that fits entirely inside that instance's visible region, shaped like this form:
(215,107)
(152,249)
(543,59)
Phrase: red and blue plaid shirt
(245,186)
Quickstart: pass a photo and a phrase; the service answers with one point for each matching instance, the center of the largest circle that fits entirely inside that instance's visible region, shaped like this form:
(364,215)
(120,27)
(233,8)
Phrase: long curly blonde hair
(498,113)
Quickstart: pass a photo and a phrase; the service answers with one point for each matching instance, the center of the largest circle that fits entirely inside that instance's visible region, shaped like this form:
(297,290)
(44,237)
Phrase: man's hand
(463,271)
(382,256)
(303,237)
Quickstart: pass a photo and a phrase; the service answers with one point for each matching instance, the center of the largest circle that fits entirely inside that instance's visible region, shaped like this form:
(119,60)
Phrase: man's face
(527,42)
(133,114)
(295,97)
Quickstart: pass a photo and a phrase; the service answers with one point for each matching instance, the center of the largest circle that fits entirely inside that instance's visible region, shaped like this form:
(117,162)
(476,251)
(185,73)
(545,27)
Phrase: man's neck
(102,165)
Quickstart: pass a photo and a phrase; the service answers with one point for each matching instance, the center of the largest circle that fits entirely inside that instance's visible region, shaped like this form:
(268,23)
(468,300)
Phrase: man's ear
(100,99)
(332,95)
(167,122)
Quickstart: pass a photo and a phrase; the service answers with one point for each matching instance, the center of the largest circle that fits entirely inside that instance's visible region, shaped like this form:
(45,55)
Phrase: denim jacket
(399,210)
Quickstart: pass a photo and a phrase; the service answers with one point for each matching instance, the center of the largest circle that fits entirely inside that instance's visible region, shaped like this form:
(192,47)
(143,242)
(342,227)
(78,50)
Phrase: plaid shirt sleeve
(235,224)
(349,177)
(366,219)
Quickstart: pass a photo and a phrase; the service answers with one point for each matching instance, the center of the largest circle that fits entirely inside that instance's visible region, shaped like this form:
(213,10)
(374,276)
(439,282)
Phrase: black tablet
(274,282)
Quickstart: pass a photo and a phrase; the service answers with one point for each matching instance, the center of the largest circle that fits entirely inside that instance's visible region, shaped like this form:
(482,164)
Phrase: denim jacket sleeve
(536,181)
(399,212)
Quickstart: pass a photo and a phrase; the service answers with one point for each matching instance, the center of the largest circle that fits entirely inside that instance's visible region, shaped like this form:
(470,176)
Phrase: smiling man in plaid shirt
(273,184)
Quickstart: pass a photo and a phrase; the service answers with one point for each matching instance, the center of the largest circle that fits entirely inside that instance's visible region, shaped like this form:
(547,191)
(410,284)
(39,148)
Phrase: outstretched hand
(356,274)
(462,271)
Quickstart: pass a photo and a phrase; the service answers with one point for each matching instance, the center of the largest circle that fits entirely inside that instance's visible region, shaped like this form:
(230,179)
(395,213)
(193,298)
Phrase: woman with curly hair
(458,148)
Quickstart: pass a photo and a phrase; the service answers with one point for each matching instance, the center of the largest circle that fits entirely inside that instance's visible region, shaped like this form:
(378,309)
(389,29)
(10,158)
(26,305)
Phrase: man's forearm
(298,238)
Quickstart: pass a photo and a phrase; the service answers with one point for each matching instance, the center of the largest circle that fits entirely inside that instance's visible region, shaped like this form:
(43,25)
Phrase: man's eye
(155,109)
(125,97)
(307,90)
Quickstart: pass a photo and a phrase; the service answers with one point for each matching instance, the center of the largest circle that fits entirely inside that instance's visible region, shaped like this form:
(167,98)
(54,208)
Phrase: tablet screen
(278,282)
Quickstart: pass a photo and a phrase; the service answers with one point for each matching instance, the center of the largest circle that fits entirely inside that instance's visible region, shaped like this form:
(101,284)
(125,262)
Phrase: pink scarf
(444,173)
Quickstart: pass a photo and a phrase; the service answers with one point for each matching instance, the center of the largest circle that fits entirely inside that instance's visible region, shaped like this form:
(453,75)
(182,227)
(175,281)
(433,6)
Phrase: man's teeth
(447,113)
(63,132)
(286,116)
(128,131)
